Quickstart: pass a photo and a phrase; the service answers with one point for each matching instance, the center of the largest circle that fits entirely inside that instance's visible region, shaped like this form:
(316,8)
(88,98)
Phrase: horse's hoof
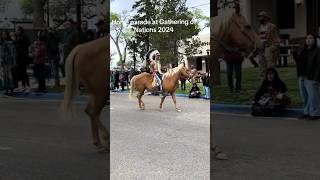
(178,110)
(103,150)
(97,144)
(221,156)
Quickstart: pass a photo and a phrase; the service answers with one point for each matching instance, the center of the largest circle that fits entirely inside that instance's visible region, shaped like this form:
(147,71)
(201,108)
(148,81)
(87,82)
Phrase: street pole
(134,56)
(48,13)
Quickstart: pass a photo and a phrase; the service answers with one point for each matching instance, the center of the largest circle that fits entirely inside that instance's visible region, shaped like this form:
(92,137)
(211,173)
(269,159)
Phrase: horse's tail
(132,84)
(72,81)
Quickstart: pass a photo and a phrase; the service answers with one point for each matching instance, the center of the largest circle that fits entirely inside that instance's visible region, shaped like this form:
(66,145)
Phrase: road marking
(2,148)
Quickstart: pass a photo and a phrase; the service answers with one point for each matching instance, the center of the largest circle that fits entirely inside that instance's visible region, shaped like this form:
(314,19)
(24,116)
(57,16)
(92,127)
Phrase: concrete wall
(262,5)
(300,29)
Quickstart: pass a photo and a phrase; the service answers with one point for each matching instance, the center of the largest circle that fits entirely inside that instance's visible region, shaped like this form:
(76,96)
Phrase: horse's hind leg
(93,124)
(100,132)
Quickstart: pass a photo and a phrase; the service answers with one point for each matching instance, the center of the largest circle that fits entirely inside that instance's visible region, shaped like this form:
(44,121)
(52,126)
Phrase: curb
(246,109)
(47,96)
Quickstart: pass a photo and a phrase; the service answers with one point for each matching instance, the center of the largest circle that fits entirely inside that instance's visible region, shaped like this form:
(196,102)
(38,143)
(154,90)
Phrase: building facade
(199,60)
(294,18)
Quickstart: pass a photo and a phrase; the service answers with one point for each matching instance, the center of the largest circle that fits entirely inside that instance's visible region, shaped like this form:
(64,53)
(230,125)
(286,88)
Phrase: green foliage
(167,42)
(26,7)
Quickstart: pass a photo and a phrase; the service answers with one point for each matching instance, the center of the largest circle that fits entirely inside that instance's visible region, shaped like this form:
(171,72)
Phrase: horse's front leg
(175,102)
(141,104)
(162,100)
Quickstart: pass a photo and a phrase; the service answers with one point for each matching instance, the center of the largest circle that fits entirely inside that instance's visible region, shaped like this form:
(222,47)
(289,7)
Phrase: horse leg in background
(94,125)
(104,134)
(139,96)
(162,100)
(175,102)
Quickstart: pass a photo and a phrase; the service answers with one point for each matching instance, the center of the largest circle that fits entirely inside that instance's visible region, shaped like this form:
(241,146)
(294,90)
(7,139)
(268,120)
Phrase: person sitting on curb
(195,91)
(270,99)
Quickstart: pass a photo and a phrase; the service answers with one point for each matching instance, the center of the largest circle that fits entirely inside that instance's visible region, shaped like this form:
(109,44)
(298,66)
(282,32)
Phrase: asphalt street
(150,144)
(37,144)
(267,148)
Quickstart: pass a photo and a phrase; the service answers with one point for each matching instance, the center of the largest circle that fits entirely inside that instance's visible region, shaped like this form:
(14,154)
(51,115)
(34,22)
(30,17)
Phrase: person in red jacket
(39,54)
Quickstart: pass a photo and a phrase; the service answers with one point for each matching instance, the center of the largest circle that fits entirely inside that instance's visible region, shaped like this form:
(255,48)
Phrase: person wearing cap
(101,29)
(269,35)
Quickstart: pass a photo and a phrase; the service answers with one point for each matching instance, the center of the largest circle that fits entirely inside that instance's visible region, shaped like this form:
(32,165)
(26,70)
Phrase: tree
(120,35)
(147,10)
(4,4)
(60,10)
(169,43)
(38,13)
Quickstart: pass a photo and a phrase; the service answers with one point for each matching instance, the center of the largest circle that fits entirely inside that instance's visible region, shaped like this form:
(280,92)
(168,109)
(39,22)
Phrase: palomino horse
(144,81)
(87,63)
(230,30)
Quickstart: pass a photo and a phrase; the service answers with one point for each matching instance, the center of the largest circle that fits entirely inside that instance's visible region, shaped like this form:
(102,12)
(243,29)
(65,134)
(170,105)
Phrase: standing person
(39,54)
(53,53)
(122,79)
(9,61)
(233,61)
(183,83)
(85,35)
(269,35)
(116,80)
(308,71)
(23,59)
(193,74)
(206,86)
(71,40)
(101,29)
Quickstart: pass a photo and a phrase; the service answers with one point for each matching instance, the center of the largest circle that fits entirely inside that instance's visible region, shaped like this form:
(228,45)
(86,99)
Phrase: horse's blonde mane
(220,23)
(173,71)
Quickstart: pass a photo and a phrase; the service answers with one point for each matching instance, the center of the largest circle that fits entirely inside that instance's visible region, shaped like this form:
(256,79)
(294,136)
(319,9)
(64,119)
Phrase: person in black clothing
(308,72)
(71,40)
(183,83)
(53,53)
(116,79)
(23,59)
(85,35)
(102,30)
(270,99)
(195,91)
(233,61)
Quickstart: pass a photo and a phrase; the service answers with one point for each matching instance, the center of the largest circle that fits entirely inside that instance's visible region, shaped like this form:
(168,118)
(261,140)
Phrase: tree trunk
(214,64)
(38,14)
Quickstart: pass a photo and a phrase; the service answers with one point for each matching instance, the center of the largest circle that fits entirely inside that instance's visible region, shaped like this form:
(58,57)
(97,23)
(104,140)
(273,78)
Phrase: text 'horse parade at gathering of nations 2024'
(229,31)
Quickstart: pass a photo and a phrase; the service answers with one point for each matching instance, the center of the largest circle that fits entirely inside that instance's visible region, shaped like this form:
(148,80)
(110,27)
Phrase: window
(285,14)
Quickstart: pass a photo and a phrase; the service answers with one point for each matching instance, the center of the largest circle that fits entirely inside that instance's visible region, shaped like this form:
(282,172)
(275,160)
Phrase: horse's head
(231,29)
(185,72)
(242,35)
